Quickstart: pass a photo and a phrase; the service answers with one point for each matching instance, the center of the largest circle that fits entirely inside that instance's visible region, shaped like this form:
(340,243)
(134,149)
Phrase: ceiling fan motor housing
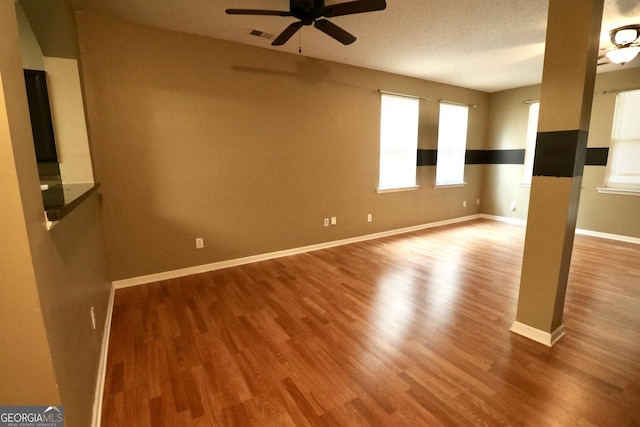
(306,11)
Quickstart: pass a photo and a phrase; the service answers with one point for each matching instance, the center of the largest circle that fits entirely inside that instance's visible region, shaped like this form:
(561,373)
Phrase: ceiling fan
(626,45)
(313,12)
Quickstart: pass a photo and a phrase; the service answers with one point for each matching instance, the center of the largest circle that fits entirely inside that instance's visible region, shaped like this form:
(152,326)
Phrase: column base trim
(542,337)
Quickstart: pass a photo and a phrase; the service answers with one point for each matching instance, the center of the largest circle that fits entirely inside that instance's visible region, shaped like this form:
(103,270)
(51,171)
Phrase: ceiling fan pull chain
(300,42)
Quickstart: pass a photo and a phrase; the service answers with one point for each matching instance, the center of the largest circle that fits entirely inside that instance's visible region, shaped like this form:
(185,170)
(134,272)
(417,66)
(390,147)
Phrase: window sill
(395,190)
(620,191)
(458,184)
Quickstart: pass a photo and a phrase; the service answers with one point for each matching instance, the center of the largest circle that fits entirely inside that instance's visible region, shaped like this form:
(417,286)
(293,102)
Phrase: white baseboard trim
(506,219)
(542,337)
(610,236)
(102,364)
(140,280)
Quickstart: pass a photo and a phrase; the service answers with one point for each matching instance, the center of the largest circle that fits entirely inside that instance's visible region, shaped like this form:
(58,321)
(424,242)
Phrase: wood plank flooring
(410,330)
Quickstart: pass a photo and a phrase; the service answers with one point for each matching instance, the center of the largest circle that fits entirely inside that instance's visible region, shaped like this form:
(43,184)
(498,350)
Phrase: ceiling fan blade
(257,12)
(351,7)
(334,31)
(287,34)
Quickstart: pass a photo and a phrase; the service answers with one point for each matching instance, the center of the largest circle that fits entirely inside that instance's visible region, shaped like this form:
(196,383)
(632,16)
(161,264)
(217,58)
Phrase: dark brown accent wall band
(427,157)
(560,153)
(596,156)
(477,157)
(495,157)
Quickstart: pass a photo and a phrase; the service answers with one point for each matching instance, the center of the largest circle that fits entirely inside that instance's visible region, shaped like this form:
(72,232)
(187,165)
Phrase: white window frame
(623,164)
(453,124)
(398,142)
(532,134)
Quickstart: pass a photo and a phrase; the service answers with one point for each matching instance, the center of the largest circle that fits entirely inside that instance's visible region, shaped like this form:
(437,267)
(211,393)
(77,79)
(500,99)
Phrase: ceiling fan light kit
(626,35)
(313,12)
(623,55)
(626,44)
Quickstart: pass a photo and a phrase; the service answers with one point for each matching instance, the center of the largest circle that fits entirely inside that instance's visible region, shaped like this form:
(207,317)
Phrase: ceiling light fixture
(626,41)
(623,55)
(625,36)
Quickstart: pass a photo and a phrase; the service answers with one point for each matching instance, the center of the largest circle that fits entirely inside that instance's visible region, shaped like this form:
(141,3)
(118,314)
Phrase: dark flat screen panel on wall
(40,112)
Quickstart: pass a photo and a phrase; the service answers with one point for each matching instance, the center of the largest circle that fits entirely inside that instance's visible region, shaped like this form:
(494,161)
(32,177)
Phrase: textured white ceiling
(488,45)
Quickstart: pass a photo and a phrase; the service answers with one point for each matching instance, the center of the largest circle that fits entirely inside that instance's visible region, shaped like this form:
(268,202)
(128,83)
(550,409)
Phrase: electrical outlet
(513,206)
(199,242)
(369,217)
(334,220)
(478,202)
(93,318)
(326,222)
(464,204)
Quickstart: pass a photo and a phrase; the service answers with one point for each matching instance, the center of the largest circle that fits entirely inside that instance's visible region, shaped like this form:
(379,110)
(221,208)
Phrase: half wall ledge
(61,199)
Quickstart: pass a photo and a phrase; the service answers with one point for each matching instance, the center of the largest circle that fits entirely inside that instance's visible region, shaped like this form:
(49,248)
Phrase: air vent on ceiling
(260,33)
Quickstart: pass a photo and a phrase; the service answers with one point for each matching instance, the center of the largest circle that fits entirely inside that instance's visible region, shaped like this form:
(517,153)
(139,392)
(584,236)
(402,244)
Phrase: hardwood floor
(405,330)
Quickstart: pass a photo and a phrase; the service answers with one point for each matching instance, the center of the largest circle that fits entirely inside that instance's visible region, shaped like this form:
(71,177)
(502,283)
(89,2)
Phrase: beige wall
(607,213)
(48,279)
(67,115)
(65,101)
(24,354)
(507,130)
(32,58)
(507,125)
(246,147)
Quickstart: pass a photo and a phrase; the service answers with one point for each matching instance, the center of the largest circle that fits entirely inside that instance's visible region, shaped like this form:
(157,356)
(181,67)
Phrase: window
(623,166)
(532,133)
(452,144)
(398,142)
